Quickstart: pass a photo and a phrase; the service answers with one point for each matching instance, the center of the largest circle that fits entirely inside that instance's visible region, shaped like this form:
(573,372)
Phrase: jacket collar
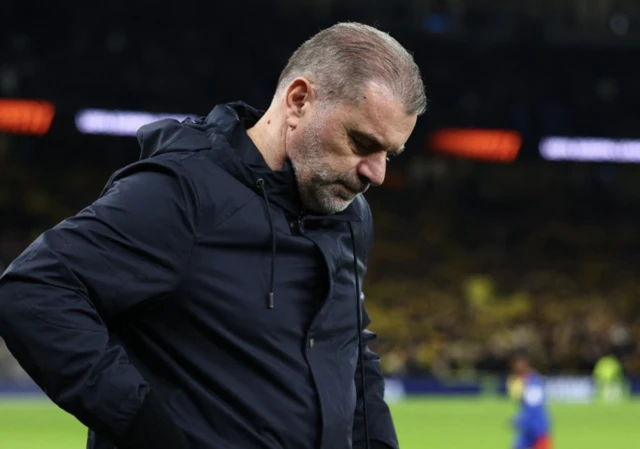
(246,163)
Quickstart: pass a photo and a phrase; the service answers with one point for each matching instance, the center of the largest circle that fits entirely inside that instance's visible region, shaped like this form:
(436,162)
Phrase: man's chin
(328,206)
(329,201)
(341,205)
(337,204)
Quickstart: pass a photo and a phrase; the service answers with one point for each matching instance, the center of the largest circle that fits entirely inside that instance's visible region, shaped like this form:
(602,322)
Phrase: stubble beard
(321,190)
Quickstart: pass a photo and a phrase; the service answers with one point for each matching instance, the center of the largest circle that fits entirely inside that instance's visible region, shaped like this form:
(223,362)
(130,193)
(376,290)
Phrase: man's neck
(269,140)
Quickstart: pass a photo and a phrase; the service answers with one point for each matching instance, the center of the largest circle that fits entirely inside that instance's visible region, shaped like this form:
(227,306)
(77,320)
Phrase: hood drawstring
(260,184)
(363,385)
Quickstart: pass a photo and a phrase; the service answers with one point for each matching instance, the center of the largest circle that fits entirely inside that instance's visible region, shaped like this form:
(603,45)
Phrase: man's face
(339,150)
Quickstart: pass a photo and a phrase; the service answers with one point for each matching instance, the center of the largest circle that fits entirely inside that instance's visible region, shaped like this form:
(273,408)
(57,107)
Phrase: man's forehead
(381,118)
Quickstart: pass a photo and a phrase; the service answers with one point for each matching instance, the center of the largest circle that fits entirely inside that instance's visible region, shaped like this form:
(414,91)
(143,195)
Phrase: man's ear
(299,97)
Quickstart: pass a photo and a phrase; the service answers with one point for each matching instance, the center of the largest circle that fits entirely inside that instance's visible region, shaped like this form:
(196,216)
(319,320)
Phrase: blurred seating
(456,289)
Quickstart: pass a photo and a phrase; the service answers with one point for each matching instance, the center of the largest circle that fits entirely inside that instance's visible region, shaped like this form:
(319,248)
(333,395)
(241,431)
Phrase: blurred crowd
(539,257)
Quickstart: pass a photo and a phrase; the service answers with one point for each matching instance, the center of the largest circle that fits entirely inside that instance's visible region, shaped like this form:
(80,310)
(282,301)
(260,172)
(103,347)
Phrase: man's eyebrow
(371,141)
(398,151)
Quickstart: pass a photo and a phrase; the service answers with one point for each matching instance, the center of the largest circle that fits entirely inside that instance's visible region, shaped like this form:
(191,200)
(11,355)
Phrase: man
(532,422)
(211,297)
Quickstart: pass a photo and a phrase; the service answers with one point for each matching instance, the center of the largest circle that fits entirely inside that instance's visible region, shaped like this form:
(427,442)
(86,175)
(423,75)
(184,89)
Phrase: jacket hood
(171,135)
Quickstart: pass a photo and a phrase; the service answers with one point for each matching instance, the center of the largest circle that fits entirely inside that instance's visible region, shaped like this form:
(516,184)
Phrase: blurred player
(532,421)
(609,378)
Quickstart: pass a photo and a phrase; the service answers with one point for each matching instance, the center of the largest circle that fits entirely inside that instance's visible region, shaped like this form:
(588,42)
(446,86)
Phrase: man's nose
(373,167)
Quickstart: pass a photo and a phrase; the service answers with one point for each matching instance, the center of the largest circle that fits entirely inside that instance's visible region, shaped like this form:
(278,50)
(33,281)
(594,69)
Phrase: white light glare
(590,149)
(118,123)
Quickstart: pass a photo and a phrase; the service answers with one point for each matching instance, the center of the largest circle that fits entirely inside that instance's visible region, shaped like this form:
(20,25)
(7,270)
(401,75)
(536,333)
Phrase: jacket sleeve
(382,433)
(57,298)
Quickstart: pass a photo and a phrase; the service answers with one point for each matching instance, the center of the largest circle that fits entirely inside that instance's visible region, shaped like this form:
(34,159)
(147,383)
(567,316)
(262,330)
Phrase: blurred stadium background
(512,221)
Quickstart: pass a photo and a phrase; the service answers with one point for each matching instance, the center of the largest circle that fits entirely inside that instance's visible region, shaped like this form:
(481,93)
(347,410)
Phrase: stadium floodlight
(118,123)
(491,145)
(590,149)
(28,117)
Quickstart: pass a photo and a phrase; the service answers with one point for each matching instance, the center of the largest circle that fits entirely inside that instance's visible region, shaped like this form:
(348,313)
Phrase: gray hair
(340,60)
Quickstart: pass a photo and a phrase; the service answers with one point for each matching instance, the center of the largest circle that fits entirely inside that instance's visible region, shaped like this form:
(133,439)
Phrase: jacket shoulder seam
(234,212)
(222,220)
(178,162)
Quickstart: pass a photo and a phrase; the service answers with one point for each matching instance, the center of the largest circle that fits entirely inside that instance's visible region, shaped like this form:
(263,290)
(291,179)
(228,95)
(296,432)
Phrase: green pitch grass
(421,424)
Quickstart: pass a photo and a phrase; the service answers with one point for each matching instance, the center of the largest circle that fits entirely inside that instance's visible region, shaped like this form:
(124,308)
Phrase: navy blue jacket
(194,305)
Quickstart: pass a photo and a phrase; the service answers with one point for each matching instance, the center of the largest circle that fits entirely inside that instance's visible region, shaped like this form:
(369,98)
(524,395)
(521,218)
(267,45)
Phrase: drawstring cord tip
(260,185)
